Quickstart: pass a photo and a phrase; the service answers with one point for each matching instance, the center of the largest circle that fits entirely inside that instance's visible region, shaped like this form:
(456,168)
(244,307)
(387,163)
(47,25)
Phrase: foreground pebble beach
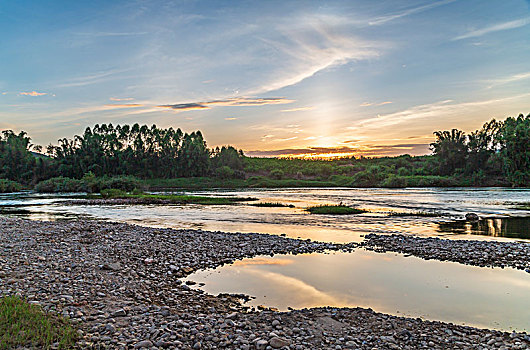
(121,286)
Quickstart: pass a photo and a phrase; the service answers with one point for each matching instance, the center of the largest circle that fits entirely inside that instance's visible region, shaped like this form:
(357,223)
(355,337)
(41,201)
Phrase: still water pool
(389,283)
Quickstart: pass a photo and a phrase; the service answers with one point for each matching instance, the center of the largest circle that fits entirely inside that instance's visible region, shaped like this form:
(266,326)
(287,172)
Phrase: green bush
(61,184)
(9,186)
(395,182)
(403,171)
(125,183)
(224,172)
(276,174)
(113,193)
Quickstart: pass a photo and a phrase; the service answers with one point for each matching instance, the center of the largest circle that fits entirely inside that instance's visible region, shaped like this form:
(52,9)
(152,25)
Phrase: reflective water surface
(389,283)
(496,204)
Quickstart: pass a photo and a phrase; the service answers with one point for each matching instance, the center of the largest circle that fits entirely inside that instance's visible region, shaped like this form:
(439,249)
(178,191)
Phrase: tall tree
(451,149)
(514,138)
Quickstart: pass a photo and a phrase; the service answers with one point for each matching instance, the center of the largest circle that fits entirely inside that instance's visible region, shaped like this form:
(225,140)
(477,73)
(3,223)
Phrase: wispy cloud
(104,34)
(127,105)
(495,28)
(231,118)
(509,79)
(231,102)
(33,93)
(298,109)
(310,47)
(444,108)
(408,12)
(368,104)
(95,78)
(121,99)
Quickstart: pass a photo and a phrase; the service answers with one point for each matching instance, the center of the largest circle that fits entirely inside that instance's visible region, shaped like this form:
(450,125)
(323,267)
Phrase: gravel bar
(120,284)
(479,253)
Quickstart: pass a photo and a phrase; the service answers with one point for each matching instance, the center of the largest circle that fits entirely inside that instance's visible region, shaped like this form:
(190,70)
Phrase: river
(391,283)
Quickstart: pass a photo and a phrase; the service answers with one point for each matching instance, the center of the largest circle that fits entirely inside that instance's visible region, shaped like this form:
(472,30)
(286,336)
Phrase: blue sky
(270,77)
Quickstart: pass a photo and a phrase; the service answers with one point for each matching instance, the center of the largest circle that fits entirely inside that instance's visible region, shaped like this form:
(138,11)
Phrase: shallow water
(389,283)
(452,204)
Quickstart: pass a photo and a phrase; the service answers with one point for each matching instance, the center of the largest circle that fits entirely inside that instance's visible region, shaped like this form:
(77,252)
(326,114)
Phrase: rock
(112,266)
(261,344)
(110,328)
(143,344)
(472,217)
(278,342)
(119,313)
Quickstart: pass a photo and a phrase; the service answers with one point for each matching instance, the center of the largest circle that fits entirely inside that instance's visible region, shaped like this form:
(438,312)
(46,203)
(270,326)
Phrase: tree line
(499,147)
(500,150)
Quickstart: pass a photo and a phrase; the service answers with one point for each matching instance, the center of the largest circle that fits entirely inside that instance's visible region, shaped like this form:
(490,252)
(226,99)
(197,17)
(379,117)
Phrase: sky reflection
(390,283)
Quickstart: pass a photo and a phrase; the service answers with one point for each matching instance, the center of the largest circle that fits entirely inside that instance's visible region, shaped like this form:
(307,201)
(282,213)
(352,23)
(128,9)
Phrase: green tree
(514,139)
(451,150)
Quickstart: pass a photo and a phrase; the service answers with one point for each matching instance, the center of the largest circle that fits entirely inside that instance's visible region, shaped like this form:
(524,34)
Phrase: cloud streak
(309,46)
(510,79)
(299,109)
(126,105)
(388,18)
(110,34)
(231,102)
(121,99)
(434,110)
(368,104)
(495,28)
(33,93)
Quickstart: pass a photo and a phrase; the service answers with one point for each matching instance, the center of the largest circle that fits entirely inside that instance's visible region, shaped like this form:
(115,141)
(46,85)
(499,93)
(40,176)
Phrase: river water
(391,283)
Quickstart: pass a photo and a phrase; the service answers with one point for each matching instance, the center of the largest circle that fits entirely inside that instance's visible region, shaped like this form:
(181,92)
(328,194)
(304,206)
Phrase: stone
(261,344)
(143,344)
(278,342)
(119,313)
(111,267)
(472,217)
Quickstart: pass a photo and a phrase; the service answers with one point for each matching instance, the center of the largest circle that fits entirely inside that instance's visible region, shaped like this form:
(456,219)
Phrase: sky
(361,77)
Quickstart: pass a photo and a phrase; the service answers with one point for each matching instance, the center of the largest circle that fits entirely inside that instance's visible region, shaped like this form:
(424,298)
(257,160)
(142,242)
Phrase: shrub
(224,172)
(276,174)
(61,184)
(125,183)
(403,171)
(9,186)
(395,182)
(113,193)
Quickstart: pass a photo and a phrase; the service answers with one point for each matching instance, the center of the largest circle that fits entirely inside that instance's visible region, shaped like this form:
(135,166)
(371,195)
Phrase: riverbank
(120,285)
(470,252)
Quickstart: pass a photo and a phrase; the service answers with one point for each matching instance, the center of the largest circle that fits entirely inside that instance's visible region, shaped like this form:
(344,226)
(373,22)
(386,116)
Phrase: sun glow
(320,156)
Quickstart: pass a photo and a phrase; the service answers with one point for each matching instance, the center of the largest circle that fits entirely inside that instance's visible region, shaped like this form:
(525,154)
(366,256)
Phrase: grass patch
(26,325)
(272,205)
(429,214)
(173,198)
(338,209)
(522,206)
